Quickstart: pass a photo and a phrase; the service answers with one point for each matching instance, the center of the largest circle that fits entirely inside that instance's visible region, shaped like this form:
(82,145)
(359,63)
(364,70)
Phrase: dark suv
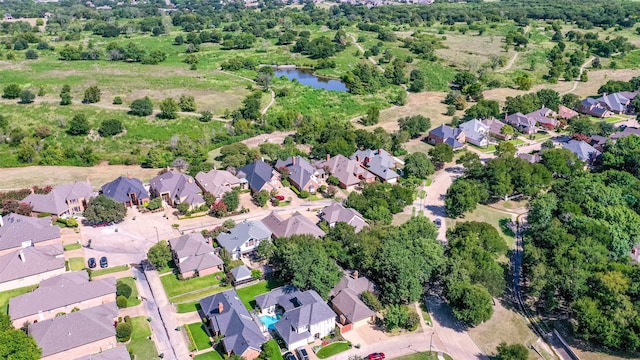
(92,263)
(289,356)
(103,262)
(302,353)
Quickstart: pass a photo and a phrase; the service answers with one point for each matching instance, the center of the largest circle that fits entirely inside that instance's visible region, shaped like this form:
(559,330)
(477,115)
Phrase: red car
(280,197)
(376,356)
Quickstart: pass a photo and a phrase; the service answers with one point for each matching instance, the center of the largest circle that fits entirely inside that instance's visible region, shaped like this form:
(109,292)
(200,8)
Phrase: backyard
(140,345)
(6,295)
(248,294)
(198,336)
(132,300)
(211,355)
(175,287)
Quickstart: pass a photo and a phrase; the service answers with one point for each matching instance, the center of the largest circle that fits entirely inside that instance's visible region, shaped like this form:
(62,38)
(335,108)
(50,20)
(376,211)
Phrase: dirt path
(515,56)
(370,58)
(273,94)
(575,83)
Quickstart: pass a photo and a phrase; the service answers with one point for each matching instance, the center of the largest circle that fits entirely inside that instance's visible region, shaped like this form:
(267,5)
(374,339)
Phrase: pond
(306,77)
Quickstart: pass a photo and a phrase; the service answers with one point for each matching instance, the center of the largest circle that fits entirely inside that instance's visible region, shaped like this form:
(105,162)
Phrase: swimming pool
(270,321)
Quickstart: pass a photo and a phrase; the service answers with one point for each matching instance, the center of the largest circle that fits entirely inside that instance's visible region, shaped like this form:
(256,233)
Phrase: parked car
(438,222)
(289,356)
(376,356)
(302,353)
(280,197)
(91,263)
(103,262)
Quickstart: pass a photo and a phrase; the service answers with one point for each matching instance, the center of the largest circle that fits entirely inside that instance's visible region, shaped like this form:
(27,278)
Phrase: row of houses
(608,104)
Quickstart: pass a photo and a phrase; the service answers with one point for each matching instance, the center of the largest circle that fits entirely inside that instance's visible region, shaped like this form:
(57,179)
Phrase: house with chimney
(77,333)
(18,231)
(195,256)
(66,199)
(544,117)
(494,129)
(566,113)
(61,294)
(476,132)
(618,103)
(445,134)
(302,174)
(126,190)
(225,315)
(345,301)
(176,188)
(583,150)
(522,123)
(348,171)
(30,265)
(592,107)
(244,238)
(303,316)
(297,224)
(380,163)
(336,213)
(218,182)
(260,176)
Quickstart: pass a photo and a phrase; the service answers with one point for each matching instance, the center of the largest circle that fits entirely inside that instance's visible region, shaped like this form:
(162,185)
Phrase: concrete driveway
(433,202)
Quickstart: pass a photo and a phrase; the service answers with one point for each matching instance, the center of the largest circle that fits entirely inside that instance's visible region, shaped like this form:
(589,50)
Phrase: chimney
(220,308)
(293,160)
(21,256)
(328,157)
(128,175)
(190,180)
(1,222)
(356,274)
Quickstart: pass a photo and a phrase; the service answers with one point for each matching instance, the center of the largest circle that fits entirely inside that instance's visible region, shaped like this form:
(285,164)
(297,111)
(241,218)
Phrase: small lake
(306,77)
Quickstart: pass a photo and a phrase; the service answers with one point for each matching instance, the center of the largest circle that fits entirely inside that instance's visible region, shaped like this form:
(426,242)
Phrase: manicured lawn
(6,295)
(272,350)
(76,264)
(109,270)
(333,349)
(70,247)
(140,345)
(133,299)
(188,307)
(199,336)
(424,356)
(199,294)
(211,355)
(248,294)
(175,287)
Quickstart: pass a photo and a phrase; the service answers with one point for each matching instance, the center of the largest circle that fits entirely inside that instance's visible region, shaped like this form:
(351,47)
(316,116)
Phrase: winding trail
(273,94)
(370,58)
(515,56)
(579,79)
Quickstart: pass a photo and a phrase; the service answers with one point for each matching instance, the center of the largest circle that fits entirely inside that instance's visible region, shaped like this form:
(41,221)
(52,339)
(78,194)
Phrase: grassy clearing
(76,264)
(111,270)
(188,307)
(132,300)
(211,355)
(140,345)
(423,356)
(199,336)
(197,295)
(489,215)
(175,287)
(333,349)
(70,247)
(6,295)
(272,350)
(248,294)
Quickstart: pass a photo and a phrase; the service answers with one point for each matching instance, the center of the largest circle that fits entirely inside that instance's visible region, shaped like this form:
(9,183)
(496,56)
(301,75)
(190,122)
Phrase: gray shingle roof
(59,291)
(474,129)
(337,213)
(350,305)
(258,173)
(57,200)
(37,260)
(177,184)
(348,171)
(584,151)
(494,125)
(16,229)
(241,233)
(300,171)
(358,286)
(194,253)
(217,182)
(241,273)
(444,131)
(75,329)
(234,322)
(297,224)
(120,189)
(616,102)
(118,353)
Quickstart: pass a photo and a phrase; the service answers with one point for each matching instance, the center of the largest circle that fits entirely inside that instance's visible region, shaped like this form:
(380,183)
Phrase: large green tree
(462,196)
(15,344)
(418,165)
(159,255)
(104,209)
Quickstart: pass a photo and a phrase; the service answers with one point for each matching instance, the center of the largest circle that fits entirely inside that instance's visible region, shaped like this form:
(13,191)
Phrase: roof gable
(297,224)
(242,233)
(177,184)
(257,174)
(37,260)
(217,182)
(338,213)
(121,188)
(16,229)
(57,200)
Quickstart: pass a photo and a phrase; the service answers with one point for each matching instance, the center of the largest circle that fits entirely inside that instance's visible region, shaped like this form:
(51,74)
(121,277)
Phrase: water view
(306,77)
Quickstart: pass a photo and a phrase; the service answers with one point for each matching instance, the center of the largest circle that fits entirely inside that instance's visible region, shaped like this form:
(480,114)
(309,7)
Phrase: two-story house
(66,199)
(244,238)
(260,176)
(194,256)
(176,188)
(126,190)
(301,174)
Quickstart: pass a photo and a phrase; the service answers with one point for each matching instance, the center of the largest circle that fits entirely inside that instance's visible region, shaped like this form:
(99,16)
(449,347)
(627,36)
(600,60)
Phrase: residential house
(476,132)
(226,316)
(445,134)
(566,113)
(194,256)
(380,163)
(297,224)
(584,151)
(244,238)
(77,333)
(598,142)
(593,107)
(126,190)
(345,301)
(495,129)
(62,200)
(544,117)
(176,188)
(30,265)
(531,158)
(301,173)
(61,294)
(241,275)
(348,172)
(618,103)
(303,315)
(260,176)
(522,123)
(17,231)
(336,213)
(218,182)
(118,353)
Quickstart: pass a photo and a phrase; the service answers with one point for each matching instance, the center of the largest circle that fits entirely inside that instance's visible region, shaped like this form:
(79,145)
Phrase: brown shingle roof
(297,224)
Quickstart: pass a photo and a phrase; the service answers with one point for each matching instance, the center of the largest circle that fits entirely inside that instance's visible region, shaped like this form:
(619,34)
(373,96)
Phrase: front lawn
(272,350)
(109,270)
(140,345)
(199,337)
(211,355)
(76,264)
(132,300)
(6,295)
(248,294)
(70,247)
(174,287)
(188,307)
(333,349)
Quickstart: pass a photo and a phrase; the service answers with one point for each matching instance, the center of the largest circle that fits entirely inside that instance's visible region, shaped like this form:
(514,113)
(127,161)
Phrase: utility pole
(431,342)
(157,236)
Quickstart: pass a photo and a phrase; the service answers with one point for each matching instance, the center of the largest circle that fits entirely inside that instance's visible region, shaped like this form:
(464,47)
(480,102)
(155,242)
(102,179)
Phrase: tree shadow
(442,313)
(438,210)
(507,226)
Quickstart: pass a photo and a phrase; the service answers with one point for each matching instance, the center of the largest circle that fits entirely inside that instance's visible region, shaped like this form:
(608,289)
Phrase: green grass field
(199,336)
(248,294)
(211,355)
(6,295)
(175,287)
(109,270)
(333,349)
(133,299)
(272,350)
(70,247)
(140,345)
(76,264)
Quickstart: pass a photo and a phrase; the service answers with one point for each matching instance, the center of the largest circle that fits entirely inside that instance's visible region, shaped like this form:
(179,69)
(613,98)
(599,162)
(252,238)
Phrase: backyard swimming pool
(269,321)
